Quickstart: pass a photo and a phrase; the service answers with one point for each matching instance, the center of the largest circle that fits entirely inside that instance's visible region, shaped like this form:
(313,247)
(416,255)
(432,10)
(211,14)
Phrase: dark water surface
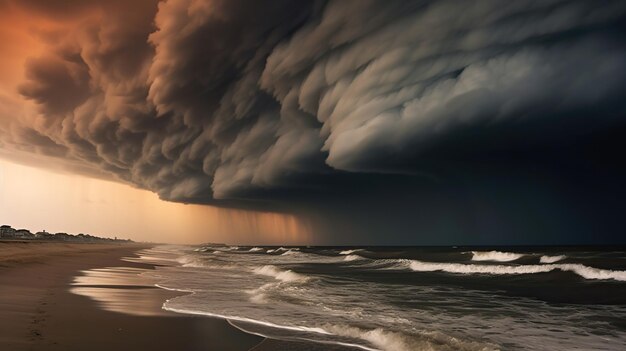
(399,298)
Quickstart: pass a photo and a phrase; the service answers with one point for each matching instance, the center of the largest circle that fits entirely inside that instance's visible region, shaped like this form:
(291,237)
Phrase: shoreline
(38,311)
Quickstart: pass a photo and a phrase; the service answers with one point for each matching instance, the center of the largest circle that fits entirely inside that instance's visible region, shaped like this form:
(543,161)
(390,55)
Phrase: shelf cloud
(448,114)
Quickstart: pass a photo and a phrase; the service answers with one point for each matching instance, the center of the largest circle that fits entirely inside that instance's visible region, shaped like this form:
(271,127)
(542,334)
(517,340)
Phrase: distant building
(24,234)
(42,235)
(62,236)
(7,232)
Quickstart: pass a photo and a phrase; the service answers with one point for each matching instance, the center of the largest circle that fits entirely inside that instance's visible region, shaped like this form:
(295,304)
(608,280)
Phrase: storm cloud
(452,117)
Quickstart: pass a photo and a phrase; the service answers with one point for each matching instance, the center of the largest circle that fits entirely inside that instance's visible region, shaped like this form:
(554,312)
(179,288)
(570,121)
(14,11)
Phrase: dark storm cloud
(348,109)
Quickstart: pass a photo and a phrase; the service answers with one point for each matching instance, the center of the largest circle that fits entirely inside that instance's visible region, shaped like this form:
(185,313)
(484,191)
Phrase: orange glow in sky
(38,199)
(60,201)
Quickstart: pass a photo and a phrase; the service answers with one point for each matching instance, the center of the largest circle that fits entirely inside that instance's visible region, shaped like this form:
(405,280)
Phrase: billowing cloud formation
(323,103)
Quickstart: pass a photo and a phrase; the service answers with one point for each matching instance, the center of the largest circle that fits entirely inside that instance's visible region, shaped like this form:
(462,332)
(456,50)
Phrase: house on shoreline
(9,233)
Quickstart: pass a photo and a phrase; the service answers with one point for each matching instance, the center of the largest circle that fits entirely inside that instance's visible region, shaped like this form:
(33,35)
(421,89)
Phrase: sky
(39,199)
(339,122)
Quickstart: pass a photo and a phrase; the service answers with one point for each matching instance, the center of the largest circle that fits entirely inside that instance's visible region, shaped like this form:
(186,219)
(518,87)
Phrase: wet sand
(38,312)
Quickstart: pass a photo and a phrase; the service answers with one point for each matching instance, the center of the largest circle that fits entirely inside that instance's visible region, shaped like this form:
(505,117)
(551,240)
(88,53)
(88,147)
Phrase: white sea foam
(349,252)
(217,252)
(232,318)
(259,298)
(460,268)
(352,258)
(381,339)
(173,289)
(285,276)
(551,259)
(289,252)
(188,261)
(395,341)
(247,320)
(198,262)
(592,273)
(497,256)
(255,249)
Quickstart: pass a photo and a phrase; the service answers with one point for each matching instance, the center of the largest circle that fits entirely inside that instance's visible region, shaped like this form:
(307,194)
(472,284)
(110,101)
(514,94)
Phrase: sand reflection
(122,290)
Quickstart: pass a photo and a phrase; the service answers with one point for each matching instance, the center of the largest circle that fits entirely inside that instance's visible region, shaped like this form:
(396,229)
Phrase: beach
(103,296)
(38,311)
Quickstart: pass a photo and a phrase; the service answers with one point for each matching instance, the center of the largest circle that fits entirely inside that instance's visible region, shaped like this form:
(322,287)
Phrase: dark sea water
(399,298)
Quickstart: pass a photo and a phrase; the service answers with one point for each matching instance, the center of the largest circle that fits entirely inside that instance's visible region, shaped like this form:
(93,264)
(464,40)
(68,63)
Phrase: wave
(285,276)
(497,256)
(460,268)
(282,249)
(233,319)
(552,259)
(396,341)
(259,295)
(289,252)
(349,252)
(187,261)
(247,320)
(198,262)
(255,249)
(352,258)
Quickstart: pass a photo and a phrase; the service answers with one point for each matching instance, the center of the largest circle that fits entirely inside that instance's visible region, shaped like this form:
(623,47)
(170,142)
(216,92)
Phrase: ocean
(405,298)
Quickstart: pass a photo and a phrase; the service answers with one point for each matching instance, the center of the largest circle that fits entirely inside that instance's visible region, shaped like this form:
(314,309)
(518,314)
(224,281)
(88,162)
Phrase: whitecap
(352,258)
(188,261)
(349,252)
(460,268)
(285,276)
(497,256)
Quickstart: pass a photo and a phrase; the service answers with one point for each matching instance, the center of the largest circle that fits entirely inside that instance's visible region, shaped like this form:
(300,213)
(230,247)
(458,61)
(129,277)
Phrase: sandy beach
(38,312)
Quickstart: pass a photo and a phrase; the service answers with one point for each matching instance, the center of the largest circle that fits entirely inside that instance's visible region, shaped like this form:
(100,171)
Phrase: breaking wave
(255,249)
(285,276)
(497,256)
(349,252)
(551,259)
(460,268)
(352,258)
(188,261)
(381,302)
(395,341)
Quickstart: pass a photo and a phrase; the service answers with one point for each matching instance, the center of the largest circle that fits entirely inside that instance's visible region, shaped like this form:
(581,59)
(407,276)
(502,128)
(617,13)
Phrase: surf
(461,268)
(497,256)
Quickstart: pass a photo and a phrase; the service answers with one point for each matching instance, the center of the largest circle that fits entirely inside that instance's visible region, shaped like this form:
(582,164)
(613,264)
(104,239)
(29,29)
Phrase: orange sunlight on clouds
(37,199)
